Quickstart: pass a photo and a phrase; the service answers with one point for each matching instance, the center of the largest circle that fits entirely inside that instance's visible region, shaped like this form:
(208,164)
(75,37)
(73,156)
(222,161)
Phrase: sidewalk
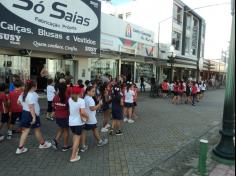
(223,170)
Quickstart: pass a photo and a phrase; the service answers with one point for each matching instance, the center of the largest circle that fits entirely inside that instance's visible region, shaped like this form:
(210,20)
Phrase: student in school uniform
(175,99)
(61,114)
(77,119)
(91,124)
(135,89)
(117,113)
(30,117)
(15,110)
(3,108)
(194,93)
(106,107)
(50,95)
(129,103)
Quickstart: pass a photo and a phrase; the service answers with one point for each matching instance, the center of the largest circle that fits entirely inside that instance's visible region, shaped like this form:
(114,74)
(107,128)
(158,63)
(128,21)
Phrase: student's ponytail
(28,86)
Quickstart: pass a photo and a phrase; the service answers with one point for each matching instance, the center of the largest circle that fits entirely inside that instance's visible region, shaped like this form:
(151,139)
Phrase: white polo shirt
(75,107)
(129,96)
(31,99)
(50,92)
(89,102)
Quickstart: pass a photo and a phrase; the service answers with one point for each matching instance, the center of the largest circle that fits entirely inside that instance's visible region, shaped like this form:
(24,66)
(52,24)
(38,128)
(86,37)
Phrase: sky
(218,21)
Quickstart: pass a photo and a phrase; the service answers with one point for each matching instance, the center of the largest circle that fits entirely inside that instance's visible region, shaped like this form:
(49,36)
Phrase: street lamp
(226,149)
(172,56)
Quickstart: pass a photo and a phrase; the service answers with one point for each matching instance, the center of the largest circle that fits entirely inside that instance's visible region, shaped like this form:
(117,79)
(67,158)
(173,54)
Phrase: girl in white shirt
(91,124)
(30,117)
(129,103)
(77,120)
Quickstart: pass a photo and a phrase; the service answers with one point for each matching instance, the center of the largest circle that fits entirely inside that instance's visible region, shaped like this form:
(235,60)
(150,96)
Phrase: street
(160,131)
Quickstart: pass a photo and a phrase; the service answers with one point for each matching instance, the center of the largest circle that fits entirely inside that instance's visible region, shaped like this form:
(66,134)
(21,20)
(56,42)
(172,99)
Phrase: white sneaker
(102,142)
(2,138)
(104,130)
(125,119)
(108,126)
(46,145)
(130,121)
(76,159)
(21,151)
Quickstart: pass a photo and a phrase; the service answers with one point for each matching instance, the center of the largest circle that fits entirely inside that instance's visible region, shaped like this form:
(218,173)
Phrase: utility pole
(225,149)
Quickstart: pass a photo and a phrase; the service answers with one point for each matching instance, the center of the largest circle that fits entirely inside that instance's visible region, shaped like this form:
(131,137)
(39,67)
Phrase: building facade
(175,25)
(105,44)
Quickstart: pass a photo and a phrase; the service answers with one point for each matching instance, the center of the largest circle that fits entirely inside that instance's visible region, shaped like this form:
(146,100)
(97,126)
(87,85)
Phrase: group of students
(187,92)
(73,107)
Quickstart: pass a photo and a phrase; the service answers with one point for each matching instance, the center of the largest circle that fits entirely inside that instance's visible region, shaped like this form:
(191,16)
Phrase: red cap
(76,90)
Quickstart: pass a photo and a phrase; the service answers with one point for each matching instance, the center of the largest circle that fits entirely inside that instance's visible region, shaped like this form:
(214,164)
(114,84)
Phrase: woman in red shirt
(61,114)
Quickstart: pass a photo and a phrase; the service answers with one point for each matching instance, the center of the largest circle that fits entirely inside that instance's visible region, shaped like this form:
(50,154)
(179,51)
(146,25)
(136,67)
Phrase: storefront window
(103,66)
(10,65)
(145,70)
(61,66)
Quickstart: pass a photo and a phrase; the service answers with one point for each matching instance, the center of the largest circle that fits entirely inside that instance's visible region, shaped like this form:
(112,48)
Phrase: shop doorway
(36,65)
(127,69)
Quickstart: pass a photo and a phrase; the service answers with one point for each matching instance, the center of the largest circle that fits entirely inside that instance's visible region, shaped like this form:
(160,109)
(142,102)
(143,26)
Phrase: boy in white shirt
(50,95)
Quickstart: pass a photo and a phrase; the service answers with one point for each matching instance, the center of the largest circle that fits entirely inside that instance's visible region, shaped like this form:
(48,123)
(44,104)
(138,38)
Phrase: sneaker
(21,151)
(9,137)
(75,160)
(2,138)
(119,133)
(65,149)
(108,126)
(130,121)
(111,132)
(102,142)
(125,120)
(54,144)
(84,148)
(104,130)
(46,145)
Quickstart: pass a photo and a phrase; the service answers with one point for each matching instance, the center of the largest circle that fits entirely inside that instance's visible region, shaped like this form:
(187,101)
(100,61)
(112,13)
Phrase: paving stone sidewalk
(223,170)
(161,130)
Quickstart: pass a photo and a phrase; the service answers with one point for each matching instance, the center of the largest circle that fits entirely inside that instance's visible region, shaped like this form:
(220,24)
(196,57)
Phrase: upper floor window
(189,21)
(128,14)
(120,16)
(178,14)
(176,40)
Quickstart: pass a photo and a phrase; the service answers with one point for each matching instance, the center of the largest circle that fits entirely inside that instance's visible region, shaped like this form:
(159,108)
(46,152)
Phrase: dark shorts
(135,104)
(188,94)
(129,105)
(203,91)
(117,115)
(89,127)
(14,117)
(50,109)
(199,93)
(26,119)
(77,130)
(62,122)
(165,91)
(5,118)
(176,93)
(106,107)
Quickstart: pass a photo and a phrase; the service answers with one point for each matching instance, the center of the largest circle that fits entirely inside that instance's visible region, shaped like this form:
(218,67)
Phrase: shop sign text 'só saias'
(67,27)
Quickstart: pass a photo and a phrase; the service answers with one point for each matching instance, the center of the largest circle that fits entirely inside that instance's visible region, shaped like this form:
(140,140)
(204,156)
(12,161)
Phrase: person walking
(30,117)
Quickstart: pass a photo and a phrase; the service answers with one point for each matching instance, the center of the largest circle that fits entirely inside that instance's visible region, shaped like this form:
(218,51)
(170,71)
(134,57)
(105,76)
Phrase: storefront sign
(68,26)
(125,30)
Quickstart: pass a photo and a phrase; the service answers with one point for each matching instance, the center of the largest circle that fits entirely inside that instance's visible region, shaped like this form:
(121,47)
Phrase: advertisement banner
(56,26)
